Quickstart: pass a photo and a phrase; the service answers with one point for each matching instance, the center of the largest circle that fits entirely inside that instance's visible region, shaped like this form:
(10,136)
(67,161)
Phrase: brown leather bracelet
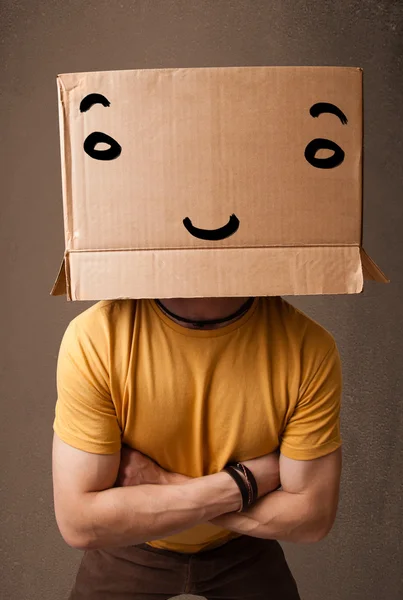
(239,480)
(250,479)
(240,467)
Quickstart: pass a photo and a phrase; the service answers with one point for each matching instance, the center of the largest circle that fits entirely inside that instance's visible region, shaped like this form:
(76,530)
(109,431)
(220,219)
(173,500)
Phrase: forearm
(281,516)
(132,515)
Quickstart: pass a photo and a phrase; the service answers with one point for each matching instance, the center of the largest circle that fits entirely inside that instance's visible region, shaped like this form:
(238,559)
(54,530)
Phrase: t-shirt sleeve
(314,427)
(85,415)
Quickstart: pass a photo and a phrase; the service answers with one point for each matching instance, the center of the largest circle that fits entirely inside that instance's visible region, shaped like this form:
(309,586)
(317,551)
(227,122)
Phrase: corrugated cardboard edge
(61,286)
(370,270)
(65,155)
(189,273)
(135,274)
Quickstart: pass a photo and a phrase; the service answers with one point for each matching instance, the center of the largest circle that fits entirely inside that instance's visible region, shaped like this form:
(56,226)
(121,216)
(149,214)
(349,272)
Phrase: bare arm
(92,514)
(305,509)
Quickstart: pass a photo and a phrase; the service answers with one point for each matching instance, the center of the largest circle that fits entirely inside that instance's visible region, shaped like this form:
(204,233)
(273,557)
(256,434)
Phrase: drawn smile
(213,234)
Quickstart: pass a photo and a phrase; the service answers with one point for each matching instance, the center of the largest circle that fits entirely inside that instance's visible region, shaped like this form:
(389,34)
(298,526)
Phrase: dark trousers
(245,568)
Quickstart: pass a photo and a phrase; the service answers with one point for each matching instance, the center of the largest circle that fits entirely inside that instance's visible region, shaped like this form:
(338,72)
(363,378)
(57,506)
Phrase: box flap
(191,273)
(60,286)
(371,271)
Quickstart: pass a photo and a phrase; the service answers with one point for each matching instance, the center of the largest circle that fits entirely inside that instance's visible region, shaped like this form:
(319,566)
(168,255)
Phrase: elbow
(76,541)
(322,521)
(315,536)
(319,531)
(327,528)
(74,538)
(75,531)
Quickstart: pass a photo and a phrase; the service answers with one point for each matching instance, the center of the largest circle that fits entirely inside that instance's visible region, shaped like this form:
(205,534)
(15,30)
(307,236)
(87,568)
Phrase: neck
(200,310)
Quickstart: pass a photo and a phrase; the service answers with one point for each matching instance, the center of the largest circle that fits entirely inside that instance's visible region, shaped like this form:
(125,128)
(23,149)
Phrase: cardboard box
(212,182)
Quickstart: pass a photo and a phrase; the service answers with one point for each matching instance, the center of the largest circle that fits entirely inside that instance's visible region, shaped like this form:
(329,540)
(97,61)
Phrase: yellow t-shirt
(194,400)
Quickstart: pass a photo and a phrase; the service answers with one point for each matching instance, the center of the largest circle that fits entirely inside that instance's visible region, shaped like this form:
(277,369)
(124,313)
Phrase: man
(188,385)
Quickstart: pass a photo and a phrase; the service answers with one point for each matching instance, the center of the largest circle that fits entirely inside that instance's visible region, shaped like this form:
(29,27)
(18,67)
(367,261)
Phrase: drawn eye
(324,163)
(97,137)
(329,162)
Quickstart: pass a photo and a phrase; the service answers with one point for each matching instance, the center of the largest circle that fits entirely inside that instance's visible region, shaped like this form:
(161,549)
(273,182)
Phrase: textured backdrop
(362,557)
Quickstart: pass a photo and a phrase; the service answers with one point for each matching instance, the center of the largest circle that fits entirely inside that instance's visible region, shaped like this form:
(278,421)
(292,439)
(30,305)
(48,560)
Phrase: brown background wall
(362,558)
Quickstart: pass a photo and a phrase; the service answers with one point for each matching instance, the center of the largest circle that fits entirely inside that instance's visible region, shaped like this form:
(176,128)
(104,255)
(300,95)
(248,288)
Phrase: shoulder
(103,317)
(94,340)
(301,330)
(94,332)
(311,351)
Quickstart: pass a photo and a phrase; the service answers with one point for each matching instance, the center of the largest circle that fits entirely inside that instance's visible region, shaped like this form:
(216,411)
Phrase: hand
(138,469)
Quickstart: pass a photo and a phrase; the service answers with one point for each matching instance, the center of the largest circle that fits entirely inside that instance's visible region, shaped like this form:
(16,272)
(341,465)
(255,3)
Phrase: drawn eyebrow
(326,107)
(91,99)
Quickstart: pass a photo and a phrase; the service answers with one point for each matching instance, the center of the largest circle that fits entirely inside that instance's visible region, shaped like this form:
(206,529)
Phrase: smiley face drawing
(237,157)
(114,151)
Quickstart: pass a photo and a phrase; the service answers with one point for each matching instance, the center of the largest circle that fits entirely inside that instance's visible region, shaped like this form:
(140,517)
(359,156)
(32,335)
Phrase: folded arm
(91,513)
(303,511)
